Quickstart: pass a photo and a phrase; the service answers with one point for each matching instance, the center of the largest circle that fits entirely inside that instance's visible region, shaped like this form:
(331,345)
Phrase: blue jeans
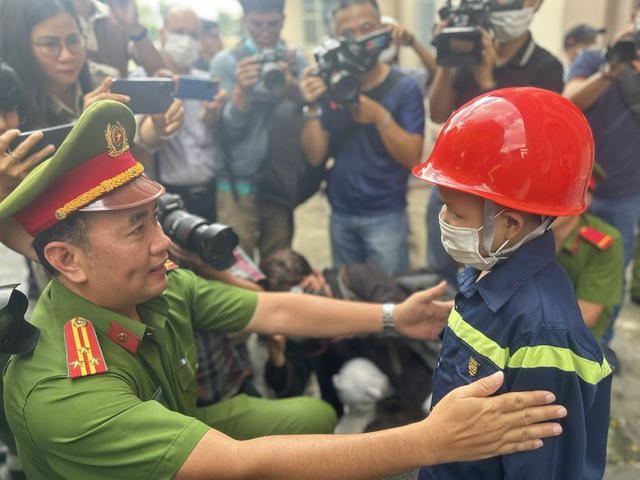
(438,260)
(624,214)
(382,240)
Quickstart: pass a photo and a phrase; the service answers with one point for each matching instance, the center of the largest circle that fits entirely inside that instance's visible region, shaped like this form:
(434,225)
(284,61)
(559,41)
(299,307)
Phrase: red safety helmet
(524,148)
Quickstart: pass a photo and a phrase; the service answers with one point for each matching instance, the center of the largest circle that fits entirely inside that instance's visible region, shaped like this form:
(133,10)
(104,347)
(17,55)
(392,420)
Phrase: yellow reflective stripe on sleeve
(529,357)
(478,340)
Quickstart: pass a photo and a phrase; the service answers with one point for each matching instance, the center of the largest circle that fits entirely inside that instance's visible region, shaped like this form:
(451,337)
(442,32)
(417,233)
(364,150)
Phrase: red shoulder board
(171,265)
(596,237)
(84,356)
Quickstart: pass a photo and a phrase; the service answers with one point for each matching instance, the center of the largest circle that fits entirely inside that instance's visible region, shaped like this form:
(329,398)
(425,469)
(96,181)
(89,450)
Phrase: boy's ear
(66,259)
(513,223)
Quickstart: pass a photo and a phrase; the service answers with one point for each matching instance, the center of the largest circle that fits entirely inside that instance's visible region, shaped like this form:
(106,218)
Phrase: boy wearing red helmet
(506,164)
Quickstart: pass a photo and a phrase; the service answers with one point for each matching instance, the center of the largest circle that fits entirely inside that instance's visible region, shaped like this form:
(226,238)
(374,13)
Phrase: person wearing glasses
(43,42)
(255,104)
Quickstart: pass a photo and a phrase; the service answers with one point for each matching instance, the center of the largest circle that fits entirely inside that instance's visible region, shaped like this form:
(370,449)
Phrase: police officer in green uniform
(590,250)
(109,390)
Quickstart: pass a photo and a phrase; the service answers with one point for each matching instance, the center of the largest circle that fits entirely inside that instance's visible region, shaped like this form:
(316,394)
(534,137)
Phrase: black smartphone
(148,95)
(52,136)
(197,88)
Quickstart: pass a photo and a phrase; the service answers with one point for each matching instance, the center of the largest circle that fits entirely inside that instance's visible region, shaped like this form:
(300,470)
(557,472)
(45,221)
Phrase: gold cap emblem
(117,142)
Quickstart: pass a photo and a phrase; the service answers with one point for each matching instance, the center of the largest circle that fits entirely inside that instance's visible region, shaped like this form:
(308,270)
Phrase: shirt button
(123,338)
(439,361)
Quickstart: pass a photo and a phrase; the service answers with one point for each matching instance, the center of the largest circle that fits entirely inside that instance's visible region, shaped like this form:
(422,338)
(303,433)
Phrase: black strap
(630,91)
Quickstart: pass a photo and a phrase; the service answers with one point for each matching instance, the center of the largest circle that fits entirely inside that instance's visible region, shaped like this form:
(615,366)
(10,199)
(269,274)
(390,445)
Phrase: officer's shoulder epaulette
(171,265)
(84,355)
(596,237)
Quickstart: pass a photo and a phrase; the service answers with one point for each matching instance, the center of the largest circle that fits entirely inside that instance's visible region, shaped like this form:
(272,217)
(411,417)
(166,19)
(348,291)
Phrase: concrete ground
(312,240)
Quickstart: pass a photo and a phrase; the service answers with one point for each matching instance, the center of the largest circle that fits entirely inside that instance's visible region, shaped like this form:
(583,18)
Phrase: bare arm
(584,92)
(442,96)
(420,316)
(590,311)
(465,425)
(314,138)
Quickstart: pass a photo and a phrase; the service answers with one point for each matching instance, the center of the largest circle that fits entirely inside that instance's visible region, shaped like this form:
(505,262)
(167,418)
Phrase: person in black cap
(579,38)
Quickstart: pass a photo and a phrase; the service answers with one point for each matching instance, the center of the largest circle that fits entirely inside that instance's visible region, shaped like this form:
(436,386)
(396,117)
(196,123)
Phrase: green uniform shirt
(137,420)
(596,273)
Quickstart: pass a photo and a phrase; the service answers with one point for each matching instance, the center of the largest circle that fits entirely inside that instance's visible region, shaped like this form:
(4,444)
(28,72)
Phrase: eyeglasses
(270,25)
(52,46)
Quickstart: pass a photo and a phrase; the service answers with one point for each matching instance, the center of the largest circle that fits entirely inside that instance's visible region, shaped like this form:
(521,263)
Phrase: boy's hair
(262,6)
(73,230)
(283,270)
(342,4)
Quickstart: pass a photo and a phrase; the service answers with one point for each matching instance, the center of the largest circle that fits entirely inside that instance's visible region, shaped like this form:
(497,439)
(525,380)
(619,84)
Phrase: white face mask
(511,24)
(463,243)
(183,50)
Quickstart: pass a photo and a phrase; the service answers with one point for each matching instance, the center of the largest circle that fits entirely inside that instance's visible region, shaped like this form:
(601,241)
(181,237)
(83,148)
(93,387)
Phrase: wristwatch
(388,325)
(311,112)
(140,36)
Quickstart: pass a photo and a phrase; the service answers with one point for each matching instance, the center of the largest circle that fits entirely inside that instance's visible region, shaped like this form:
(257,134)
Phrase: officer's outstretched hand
(421,316)
(474,426)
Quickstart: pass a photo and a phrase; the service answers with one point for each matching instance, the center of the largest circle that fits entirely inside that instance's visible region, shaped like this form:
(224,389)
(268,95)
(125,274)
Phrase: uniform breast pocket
(471,366)
(185,370)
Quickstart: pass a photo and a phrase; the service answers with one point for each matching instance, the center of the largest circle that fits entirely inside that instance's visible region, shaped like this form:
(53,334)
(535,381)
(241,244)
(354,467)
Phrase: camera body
(340,61)
(624,50)
(460,44)
(214,243)
(272,75)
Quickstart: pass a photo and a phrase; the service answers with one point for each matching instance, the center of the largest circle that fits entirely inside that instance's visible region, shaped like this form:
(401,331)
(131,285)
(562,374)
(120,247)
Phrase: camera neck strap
(630,91)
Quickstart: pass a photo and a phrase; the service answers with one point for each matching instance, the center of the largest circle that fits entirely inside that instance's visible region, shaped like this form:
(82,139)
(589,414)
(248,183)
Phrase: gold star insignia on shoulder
(82,342)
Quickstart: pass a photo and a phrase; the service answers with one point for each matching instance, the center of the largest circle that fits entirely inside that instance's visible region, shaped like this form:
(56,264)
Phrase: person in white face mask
(510,58)
(185,164)
(508,163)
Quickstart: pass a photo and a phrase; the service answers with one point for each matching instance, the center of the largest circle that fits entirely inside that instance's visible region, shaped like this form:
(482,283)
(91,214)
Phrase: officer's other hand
(477,426)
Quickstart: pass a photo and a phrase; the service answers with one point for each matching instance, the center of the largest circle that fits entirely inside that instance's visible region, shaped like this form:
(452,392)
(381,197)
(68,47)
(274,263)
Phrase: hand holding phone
(50,136)
(148,95)
(197,88)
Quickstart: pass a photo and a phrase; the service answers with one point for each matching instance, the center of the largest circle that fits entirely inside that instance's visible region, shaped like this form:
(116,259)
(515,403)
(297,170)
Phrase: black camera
(339,62)
(213,242)
(17,336)
(460,44)
(271,74)
(624,50)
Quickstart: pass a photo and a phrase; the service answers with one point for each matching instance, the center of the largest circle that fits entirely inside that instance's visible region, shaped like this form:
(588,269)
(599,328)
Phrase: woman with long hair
(42,41)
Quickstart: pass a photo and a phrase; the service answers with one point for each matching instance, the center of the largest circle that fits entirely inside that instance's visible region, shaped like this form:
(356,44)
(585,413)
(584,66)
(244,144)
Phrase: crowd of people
(140,367)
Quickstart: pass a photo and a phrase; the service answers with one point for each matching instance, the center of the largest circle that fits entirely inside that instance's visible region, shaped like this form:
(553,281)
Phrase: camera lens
(214,243)
(273,77)
(344,87)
